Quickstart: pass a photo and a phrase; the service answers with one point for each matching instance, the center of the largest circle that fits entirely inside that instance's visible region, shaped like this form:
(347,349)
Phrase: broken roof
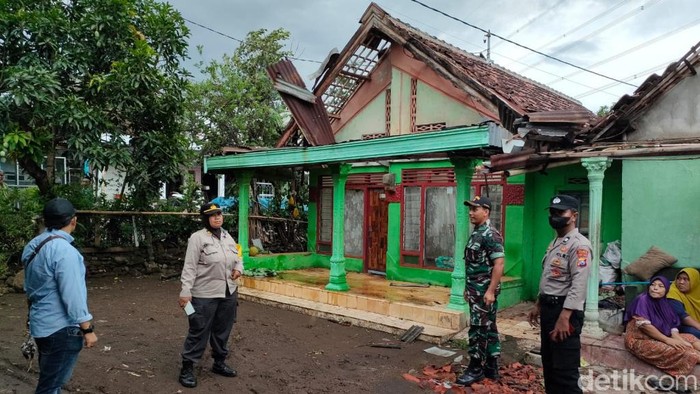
(630,107)
(307,110)
(510,95)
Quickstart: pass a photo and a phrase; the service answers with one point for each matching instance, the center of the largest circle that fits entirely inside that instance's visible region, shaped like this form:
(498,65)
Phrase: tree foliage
(235,104)
(100,78)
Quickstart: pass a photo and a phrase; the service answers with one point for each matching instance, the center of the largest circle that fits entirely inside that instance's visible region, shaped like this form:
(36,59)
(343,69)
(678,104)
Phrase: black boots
(220,368)
(187,377)
(473,374)
(491,368)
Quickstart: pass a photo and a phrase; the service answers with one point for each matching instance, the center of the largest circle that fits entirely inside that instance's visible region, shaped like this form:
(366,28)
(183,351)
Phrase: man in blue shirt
(54,281)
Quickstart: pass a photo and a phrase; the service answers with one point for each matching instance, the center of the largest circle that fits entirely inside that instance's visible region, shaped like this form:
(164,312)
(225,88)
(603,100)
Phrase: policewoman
(560,304)
(208,279)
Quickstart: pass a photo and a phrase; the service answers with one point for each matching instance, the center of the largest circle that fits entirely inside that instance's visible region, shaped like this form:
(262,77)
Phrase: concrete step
(425,315)
(356,317)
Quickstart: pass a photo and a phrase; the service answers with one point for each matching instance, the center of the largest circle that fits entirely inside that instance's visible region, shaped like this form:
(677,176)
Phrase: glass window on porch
(440,218)
(354,222)
(494,190)
(411,224)
(428,229)
(325,220)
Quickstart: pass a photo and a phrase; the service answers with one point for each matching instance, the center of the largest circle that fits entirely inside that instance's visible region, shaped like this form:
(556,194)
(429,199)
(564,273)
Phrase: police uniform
(563,284)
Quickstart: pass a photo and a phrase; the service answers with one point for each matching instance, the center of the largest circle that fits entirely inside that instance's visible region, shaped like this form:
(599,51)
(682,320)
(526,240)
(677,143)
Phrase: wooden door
(377,224)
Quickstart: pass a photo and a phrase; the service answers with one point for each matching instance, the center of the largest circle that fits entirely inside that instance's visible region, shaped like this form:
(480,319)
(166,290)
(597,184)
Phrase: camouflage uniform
(484,246)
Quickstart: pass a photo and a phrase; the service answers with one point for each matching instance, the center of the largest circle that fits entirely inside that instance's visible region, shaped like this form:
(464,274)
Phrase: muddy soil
(141,331)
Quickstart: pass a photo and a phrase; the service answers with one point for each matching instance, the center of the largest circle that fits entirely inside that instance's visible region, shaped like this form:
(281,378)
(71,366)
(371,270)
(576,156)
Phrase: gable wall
(675,115)
(437,100)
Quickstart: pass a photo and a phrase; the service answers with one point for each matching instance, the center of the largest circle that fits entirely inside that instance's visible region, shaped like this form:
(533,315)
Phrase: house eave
(403,146)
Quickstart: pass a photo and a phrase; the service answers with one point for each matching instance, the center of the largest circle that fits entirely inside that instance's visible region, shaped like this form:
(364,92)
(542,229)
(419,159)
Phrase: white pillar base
(593,330)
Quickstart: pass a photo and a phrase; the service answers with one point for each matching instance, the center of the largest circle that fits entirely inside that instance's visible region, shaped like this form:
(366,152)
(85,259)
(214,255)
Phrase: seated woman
(652,332)
(685,299)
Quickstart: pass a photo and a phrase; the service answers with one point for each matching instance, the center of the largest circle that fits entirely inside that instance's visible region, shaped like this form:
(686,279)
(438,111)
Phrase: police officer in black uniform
(560,304)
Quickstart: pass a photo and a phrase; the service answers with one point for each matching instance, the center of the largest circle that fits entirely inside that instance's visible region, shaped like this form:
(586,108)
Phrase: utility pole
(487,40)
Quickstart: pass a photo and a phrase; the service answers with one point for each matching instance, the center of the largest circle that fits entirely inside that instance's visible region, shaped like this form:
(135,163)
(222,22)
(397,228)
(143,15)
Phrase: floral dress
(668,359)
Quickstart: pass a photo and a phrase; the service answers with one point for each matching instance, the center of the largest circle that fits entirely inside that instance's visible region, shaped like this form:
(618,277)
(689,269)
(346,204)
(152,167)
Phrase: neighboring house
(392,134)
(636,172)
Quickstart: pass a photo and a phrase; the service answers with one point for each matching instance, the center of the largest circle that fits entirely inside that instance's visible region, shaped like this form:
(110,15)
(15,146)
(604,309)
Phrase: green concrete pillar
(337,280)
(464,170)
(244,178)
(596,167)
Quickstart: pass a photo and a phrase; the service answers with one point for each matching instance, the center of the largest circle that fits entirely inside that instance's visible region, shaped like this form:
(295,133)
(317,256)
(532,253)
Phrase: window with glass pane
(325,233)
(495,193)
(411,218)
(439,235)
(354,222)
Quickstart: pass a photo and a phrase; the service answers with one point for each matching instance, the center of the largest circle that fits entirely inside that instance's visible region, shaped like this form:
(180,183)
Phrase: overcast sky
(624,39)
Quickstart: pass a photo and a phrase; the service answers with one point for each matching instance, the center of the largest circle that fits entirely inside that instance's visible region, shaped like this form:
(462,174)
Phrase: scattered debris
(515,378)
(395,284)
(458,359)
(386,345)
(440,352)
(411,334)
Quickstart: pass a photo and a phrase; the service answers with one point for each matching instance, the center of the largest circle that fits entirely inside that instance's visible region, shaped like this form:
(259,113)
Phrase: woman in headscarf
(209,294)
(685,299)
(652,332)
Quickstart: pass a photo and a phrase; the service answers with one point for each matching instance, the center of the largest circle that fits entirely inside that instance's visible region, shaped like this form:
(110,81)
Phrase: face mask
(558,222)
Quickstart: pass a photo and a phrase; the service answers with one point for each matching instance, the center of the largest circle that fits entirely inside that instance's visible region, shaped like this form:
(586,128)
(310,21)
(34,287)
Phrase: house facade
(635,172)
(393,135)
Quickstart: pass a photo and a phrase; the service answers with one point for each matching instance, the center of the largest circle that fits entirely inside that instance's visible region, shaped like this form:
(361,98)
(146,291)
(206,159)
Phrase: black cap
(564,202)
(58,213)
(209,208)
(479,201)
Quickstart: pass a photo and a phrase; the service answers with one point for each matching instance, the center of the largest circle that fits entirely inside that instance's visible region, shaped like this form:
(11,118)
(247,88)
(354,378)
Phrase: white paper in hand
(189,309)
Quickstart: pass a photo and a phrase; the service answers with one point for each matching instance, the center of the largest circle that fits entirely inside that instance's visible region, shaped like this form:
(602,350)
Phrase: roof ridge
(478,58)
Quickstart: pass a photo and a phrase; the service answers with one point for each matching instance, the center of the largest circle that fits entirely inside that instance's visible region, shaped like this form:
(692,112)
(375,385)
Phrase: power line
(520,45)
(456,38)
(529,22)
(579,27)
(603,28)
(212,30)
(635,48)
(639,74)
(239,40)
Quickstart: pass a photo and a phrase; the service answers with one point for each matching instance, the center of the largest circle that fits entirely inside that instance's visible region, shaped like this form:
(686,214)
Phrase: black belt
(552,300)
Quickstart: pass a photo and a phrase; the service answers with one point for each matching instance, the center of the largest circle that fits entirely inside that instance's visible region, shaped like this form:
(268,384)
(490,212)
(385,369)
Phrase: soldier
(484,268)
(560,304)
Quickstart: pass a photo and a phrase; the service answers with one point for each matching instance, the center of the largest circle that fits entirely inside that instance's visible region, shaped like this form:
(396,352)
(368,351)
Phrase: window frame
(424,185)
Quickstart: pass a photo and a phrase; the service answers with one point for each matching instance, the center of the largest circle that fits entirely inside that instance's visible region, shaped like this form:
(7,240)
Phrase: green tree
(100,78)
(236,104)
(603,111)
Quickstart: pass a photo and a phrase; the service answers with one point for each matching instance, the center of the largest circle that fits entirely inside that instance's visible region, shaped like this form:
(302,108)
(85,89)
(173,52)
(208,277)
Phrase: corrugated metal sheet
(311,118)
(630,107)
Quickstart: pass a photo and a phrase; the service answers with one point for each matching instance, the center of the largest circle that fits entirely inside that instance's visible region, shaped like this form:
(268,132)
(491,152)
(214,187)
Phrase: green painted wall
(370,120)
(540,188)
(433,106)
(285,261)
(514,236)
(659,208)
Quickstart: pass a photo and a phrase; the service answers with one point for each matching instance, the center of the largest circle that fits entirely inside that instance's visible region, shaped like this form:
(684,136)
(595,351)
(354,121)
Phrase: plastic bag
(612,255)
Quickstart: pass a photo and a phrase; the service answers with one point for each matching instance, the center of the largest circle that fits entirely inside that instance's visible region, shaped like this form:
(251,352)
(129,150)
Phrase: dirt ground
(141,331)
